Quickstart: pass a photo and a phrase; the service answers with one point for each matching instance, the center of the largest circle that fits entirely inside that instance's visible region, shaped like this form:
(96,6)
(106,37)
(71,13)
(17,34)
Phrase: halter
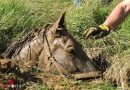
(69,75)
(52,57)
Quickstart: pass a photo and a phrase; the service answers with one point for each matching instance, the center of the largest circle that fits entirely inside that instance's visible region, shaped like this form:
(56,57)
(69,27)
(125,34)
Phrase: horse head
(65,50)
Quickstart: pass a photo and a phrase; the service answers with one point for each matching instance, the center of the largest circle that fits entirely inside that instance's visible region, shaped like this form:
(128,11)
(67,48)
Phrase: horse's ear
(59,25)
(61,21)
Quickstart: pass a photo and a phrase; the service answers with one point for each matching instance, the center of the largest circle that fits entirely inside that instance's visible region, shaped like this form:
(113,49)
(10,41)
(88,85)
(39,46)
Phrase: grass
(17,17)
(75,85)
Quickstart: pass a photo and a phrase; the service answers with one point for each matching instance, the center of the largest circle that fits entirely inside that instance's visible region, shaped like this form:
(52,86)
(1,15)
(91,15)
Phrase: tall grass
(17,17)
(14,19)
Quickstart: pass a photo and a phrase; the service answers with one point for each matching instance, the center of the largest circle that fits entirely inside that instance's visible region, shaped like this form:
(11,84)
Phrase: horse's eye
(71,50)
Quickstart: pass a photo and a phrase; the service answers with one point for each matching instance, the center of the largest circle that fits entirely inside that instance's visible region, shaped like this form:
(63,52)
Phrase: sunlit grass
(17,17)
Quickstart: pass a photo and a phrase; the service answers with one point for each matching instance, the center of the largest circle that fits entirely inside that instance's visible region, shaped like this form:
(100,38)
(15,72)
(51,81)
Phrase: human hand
(97,32)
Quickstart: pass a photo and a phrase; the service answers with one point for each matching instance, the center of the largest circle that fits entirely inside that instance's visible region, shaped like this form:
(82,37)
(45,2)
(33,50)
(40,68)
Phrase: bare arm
(118,14)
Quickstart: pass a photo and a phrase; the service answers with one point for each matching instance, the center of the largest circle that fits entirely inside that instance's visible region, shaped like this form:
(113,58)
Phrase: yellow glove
(97,32)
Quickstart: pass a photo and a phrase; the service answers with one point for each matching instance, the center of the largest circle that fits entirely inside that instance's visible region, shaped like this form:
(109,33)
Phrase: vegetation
(17,17)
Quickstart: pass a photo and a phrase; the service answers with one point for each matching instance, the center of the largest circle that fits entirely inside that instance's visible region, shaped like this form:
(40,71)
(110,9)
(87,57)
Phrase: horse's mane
(15,48)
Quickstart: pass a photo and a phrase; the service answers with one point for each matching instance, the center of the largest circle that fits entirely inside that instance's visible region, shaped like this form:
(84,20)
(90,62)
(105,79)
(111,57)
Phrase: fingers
(88,33)
(99,35)
(96,32)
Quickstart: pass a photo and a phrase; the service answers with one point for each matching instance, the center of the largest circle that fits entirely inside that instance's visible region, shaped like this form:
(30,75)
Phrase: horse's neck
(32,49)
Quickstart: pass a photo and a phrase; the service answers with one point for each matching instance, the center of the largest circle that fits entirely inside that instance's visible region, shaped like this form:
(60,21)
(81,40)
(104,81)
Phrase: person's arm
(118,14)
(115,18)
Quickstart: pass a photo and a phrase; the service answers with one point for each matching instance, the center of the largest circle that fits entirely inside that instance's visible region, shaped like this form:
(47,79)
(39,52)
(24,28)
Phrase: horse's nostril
(72,51)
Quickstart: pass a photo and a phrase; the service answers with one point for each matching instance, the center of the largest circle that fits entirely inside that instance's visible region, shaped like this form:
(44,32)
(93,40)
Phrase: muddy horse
(50,49)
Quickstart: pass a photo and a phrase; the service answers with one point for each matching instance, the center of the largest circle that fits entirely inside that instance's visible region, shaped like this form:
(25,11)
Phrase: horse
(50,49)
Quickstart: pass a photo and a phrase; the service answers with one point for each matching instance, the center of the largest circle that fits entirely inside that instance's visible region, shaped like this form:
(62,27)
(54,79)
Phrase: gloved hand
(97,32)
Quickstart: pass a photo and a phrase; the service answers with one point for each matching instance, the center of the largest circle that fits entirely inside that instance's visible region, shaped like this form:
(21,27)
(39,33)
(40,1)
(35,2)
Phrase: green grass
(17,17)
(74,85)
